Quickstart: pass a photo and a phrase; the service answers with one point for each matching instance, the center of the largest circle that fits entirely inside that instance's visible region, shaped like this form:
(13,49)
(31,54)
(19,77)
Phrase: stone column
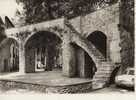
(68,55)
(81,62)
(69,61)
(21,58)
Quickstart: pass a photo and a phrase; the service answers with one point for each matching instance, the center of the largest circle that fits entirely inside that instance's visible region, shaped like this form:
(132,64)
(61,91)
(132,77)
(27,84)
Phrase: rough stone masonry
(94,36)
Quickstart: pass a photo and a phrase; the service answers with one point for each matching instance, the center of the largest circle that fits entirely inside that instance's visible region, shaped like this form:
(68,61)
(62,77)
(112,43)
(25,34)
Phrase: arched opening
(43,52)
(99,40)
(84,68)
(90,67)
(9,55)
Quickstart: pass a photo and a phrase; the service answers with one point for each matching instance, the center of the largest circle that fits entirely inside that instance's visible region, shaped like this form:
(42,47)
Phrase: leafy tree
(41,10)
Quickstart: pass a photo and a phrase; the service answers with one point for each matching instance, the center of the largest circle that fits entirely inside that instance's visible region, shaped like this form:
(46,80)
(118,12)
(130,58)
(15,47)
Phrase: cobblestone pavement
(109,90)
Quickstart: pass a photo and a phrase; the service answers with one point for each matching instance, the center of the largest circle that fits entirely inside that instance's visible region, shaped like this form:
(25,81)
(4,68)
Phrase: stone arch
(80,69)
(54,30)
(92,52)
(13,38)
(99,40)
(42,48)
(9,48)
(7,39)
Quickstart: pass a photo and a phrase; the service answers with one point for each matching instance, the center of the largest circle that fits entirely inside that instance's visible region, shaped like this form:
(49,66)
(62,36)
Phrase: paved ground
(109,90)
(55,78)
(50,78)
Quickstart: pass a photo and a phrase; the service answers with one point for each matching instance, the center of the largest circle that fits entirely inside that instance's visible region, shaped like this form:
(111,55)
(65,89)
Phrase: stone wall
(6,85)
(105,20)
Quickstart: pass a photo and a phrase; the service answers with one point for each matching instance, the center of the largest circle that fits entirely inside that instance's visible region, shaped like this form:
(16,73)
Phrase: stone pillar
(69,65)
(69,61)
(21,59)
(81,62)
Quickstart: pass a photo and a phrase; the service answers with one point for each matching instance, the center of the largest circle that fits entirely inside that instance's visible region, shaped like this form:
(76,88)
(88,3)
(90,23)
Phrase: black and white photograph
(67,47)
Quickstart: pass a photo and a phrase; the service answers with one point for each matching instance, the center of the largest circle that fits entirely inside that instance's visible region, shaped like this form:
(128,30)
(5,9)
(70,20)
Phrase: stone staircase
(104,68)
(102,76)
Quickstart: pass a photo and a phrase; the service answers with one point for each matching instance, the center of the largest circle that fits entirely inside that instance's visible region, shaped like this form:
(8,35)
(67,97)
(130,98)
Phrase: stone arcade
(85,46)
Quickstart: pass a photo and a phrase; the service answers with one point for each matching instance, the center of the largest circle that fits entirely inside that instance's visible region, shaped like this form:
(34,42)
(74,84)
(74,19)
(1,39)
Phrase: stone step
(98,81)
(98,84)
(103,73)
(96,53)
(95,50)
(107,62)
(99,57)
(104,69)
(104,66)
(100,60)
(102,78)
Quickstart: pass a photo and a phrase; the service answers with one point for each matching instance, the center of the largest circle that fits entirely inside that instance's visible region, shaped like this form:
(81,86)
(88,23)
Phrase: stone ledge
(73,88)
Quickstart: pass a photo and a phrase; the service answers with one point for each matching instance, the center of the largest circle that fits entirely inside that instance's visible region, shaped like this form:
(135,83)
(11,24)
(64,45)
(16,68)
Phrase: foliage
(41,10)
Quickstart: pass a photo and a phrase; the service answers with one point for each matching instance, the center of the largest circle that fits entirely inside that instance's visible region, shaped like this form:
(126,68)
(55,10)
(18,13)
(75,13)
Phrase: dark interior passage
(9,55)
(99,40)
(43,52)
(14,56)
(85,66)
(90,67)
